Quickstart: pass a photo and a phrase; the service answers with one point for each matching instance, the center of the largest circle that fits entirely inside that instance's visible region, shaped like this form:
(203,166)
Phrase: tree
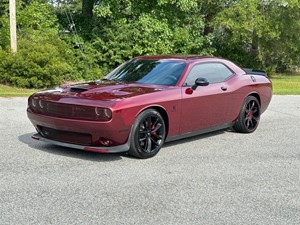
(42,58)
(280,44)
(259,33)
(87,8)
(253,33)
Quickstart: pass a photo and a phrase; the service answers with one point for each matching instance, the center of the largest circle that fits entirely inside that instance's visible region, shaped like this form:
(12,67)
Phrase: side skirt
(198,132)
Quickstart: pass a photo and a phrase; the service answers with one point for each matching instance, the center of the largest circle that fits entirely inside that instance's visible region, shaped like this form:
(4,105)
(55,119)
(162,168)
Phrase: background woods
(60,40)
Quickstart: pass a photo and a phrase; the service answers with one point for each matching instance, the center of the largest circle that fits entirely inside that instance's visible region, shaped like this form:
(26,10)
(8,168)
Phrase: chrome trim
(113,149)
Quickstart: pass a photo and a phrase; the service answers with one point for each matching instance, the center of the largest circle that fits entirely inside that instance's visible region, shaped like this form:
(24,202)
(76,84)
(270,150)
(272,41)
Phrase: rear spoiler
(255,72)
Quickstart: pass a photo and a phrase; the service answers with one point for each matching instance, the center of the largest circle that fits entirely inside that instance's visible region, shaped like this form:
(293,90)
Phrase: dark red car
(150,100)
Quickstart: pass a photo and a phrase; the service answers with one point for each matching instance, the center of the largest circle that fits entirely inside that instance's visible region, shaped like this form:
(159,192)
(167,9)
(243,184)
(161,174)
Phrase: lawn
(7,91)
(283,84)
(286,84)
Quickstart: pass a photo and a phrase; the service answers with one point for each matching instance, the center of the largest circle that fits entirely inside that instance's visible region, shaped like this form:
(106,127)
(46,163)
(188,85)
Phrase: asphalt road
(218,178)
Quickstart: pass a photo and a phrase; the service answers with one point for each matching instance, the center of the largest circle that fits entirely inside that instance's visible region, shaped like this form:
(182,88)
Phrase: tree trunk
(87,8)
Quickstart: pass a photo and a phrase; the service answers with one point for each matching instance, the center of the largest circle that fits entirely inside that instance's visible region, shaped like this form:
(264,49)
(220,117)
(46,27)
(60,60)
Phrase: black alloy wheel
(249,116)
(148,134)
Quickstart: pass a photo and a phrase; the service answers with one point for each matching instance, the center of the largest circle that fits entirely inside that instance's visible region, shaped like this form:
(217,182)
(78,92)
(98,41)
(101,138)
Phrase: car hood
(100,91)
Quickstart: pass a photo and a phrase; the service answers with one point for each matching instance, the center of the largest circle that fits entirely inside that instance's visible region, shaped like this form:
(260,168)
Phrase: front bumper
(86,133)
(113,149)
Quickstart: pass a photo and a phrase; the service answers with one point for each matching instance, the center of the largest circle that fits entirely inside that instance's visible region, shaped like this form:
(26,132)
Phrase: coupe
(148,101)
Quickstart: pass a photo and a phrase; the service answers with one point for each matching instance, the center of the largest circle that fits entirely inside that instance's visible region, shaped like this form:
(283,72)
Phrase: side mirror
(200,82)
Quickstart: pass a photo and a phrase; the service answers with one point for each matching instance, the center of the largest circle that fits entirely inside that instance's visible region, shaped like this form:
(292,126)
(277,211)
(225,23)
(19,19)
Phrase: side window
(213,72)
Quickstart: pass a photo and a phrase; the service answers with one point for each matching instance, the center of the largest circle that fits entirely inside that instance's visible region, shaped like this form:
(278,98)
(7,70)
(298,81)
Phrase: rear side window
(213,72)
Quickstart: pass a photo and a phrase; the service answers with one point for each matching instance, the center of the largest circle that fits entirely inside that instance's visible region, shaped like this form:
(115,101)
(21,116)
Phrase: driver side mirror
(200,82)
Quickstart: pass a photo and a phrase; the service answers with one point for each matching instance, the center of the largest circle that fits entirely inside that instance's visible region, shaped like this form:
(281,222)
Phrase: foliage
(281,48)
(42,66)
(58,40)
(41,60)
(262,33)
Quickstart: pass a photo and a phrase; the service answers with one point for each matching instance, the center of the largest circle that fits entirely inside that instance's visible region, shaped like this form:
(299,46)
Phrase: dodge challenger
(148,101)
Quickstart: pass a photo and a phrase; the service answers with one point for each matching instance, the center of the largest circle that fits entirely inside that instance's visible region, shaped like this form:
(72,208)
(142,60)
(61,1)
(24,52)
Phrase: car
(150,100)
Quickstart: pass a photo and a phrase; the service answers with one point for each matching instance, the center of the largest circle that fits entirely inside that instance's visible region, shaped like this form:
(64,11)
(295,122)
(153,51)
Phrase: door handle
(224,88)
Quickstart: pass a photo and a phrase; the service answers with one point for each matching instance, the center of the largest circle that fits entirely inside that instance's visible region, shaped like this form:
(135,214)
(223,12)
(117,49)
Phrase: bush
(36,65)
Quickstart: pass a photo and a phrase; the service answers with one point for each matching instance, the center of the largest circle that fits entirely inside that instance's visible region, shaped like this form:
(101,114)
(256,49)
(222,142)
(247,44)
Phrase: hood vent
(77,89)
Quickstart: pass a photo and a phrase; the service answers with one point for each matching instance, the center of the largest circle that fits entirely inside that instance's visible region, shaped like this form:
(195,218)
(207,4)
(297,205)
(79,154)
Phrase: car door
(207,106)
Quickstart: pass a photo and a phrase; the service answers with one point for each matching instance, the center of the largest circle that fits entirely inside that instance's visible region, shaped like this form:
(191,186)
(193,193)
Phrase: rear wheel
(249,116)
(147,135)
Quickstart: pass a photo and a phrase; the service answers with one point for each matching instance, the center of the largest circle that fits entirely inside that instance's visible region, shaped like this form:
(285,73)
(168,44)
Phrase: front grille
(57,109)
(70,111)
(65,110)
(66,136)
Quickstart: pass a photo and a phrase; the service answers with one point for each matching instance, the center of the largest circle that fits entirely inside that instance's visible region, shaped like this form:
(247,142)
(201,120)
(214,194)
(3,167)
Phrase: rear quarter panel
(241,86)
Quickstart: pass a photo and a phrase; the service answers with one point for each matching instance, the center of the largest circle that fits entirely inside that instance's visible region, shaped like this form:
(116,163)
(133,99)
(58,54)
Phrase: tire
(249,116)
(147,135)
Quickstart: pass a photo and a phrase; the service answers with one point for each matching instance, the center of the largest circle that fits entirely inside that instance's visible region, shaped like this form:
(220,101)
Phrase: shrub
(35,65)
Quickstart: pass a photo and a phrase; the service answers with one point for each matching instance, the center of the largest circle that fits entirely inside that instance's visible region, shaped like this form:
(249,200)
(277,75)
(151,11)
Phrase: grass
(7,91)
(283,84)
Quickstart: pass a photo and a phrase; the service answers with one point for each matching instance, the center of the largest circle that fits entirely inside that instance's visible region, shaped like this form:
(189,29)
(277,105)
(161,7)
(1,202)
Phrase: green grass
(284,84)
(7,91)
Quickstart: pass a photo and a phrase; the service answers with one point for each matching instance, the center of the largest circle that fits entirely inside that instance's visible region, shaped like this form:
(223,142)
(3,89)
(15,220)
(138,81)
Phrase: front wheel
(249,116)
(148,134)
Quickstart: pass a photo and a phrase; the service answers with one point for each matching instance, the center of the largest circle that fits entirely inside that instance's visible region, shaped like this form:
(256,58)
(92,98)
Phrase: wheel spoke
(156,121)
(155,142)
(148,145)
(148,123)
(145,125)
(247,122)
(142,139)
(251,124)
(158,137)
(145,145)
(156,128)
(252,105)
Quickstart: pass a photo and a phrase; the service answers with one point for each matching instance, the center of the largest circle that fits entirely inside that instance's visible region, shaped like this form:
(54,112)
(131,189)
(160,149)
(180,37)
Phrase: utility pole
(13,25)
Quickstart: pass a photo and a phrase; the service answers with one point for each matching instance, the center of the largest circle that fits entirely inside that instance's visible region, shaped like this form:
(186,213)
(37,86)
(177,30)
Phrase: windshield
(148,72)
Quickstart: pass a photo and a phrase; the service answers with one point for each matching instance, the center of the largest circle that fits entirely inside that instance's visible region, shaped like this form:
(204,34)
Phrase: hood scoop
(78,89)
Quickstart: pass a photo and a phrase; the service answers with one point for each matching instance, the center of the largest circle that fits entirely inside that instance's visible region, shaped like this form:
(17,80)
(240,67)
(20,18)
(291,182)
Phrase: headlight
(34,103)
(41,104)
(103,113)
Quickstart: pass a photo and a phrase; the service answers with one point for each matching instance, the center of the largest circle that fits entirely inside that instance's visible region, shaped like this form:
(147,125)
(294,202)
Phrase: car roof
(191,59)
(176,57)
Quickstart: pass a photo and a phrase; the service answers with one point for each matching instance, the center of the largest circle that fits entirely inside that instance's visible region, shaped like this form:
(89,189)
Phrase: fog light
(105,142)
